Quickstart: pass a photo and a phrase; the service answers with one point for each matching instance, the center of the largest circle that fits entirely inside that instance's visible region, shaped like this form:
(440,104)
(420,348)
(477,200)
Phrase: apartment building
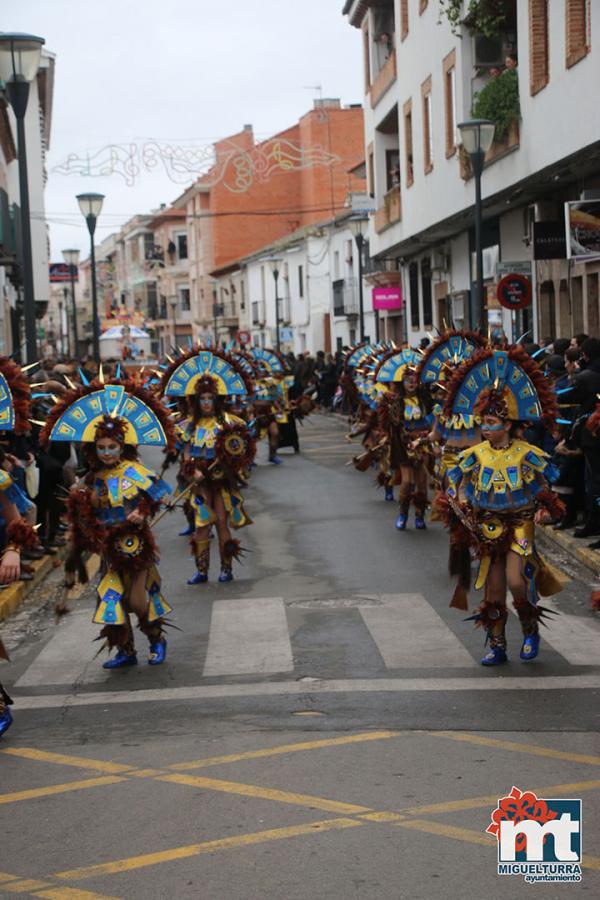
(532,73)
(172,324)
(38,122)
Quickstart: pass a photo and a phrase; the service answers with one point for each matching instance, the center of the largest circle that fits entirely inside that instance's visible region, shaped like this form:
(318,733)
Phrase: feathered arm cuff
(20,535)
(550,500)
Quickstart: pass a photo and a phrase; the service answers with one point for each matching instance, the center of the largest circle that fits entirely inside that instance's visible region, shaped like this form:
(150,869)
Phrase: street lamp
(71,258)
(91,207)
(19,62)
(477,136)
(275,263)
(356,226)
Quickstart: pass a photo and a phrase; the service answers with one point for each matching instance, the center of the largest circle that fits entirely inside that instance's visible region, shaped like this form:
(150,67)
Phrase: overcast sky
(185,71)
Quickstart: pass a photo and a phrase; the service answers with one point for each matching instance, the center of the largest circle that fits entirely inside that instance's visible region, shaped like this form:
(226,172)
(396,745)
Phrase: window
(578,45)
(336,264)
(539,61)
(413,281)
(300,281)
(449,69)
(263,286)
(408,142)
(243,294)
(184,299)
(182,250)
(350,252)
(403,19)
(426,291)
(392,169)
(427,125)
(370,171)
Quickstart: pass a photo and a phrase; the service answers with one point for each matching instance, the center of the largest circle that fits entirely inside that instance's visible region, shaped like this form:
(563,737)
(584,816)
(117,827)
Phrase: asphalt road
(321,728)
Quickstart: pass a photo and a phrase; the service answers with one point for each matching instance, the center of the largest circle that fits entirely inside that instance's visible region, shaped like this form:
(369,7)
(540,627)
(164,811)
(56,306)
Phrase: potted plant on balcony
(499,101)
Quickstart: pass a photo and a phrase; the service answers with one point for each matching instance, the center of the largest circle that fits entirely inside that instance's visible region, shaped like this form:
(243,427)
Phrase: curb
(13,596)
(589,558)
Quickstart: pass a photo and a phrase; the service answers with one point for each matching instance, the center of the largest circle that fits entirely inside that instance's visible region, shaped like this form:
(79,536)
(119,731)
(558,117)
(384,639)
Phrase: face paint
(499,427)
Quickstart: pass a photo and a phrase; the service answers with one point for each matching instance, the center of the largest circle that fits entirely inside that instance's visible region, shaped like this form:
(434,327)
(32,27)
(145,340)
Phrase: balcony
(384,79)
(285,312)
(391,211)
(258,312)
(345,297)
(227,313)
(498,150)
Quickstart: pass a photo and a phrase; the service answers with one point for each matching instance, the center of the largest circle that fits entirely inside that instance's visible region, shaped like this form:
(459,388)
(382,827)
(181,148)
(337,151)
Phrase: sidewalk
(577,547)
(12,597)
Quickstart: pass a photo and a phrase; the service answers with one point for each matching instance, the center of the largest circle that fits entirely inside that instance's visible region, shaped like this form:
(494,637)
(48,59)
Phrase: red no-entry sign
(514,291)
(244,337)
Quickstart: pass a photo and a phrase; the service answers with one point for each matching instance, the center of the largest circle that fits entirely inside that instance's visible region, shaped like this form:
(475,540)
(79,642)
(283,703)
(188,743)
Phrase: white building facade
(421,80)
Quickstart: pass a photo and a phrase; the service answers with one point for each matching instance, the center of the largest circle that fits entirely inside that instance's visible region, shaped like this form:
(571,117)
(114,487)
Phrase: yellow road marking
(285,748)
(26,885)
(59,759)
(146,773)
(63,893)
(34,793)
(4,877)
(242,840)
(381,817)
(480,802)
(263,793)
(531,749)
(451,831)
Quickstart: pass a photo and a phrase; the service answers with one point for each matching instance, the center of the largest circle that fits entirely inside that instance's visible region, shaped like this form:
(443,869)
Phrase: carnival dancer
(16,535)
(364,422)
(217,449)
(450,434)
(405,415)
(494,490)
(111,507)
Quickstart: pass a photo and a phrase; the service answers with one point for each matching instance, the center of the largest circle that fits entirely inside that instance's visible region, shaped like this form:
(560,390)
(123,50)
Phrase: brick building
(256,193)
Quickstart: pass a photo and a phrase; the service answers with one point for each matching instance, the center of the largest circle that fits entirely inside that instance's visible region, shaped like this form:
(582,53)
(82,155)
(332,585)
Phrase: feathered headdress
(15,397)
(506,383)
(440,359)
(119,409)
(393,365)
(270,359)
(190,375)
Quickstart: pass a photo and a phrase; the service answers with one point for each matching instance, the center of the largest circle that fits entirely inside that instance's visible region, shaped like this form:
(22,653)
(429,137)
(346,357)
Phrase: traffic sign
(514,291)
(244,337)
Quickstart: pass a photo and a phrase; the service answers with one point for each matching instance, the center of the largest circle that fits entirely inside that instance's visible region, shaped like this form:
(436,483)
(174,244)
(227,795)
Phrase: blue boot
(401,522)
(198,578)
(494,657)
(158,652)
(389,494)
(275,460)
(187,531)
(226,574)
(531,647)
(6,721)
(121,660)
(420,523)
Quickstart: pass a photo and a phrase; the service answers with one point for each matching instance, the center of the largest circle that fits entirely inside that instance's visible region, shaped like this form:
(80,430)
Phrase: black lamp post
(91,207)
(477,136)
(356,226)
(71,257)
(19,62)
(275,263)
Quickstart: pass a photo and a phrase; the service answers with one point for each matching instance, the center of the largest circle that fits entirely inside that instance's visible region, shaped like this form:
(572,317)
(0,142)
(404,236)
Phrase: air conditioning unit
(488,52)
(440,260)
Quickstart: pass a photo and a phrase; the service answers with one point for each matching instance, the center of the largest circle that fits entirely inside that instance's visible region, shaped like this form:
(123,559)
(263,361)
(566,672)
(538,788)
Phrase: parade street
(321,728)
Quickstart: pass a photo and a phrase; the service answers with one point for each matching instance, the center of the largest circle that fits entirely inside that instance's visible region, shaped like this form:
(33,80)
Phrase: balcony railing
(384,79)
(391,211)
(345,297)
(227,312)
(498,150)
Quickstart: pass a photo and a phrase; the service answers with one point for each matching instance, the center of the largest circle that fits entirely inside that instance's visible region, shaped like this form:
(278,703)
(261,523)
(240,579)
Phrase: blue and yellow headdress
(119,409)
(393,366)
(201,368)
(505,383)
(273,362)
(15,397)
(440,360)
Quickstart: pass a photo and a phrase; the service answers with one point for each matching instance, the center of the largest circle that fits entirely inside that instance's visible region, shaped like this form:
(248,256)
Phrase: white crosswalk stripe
(252,637)
(249,637)
(405,628)
(576,638)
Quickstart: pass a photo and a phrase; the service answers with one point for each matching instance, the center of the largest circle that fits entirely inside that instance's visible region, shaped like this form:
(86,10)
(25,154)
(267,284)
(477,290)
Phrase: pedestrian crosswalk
(267,638)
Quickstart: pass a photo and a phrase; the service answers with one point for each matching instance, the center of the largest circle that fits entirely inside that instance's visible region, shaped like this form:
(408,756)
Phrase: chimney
(327,103)
(248,128)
